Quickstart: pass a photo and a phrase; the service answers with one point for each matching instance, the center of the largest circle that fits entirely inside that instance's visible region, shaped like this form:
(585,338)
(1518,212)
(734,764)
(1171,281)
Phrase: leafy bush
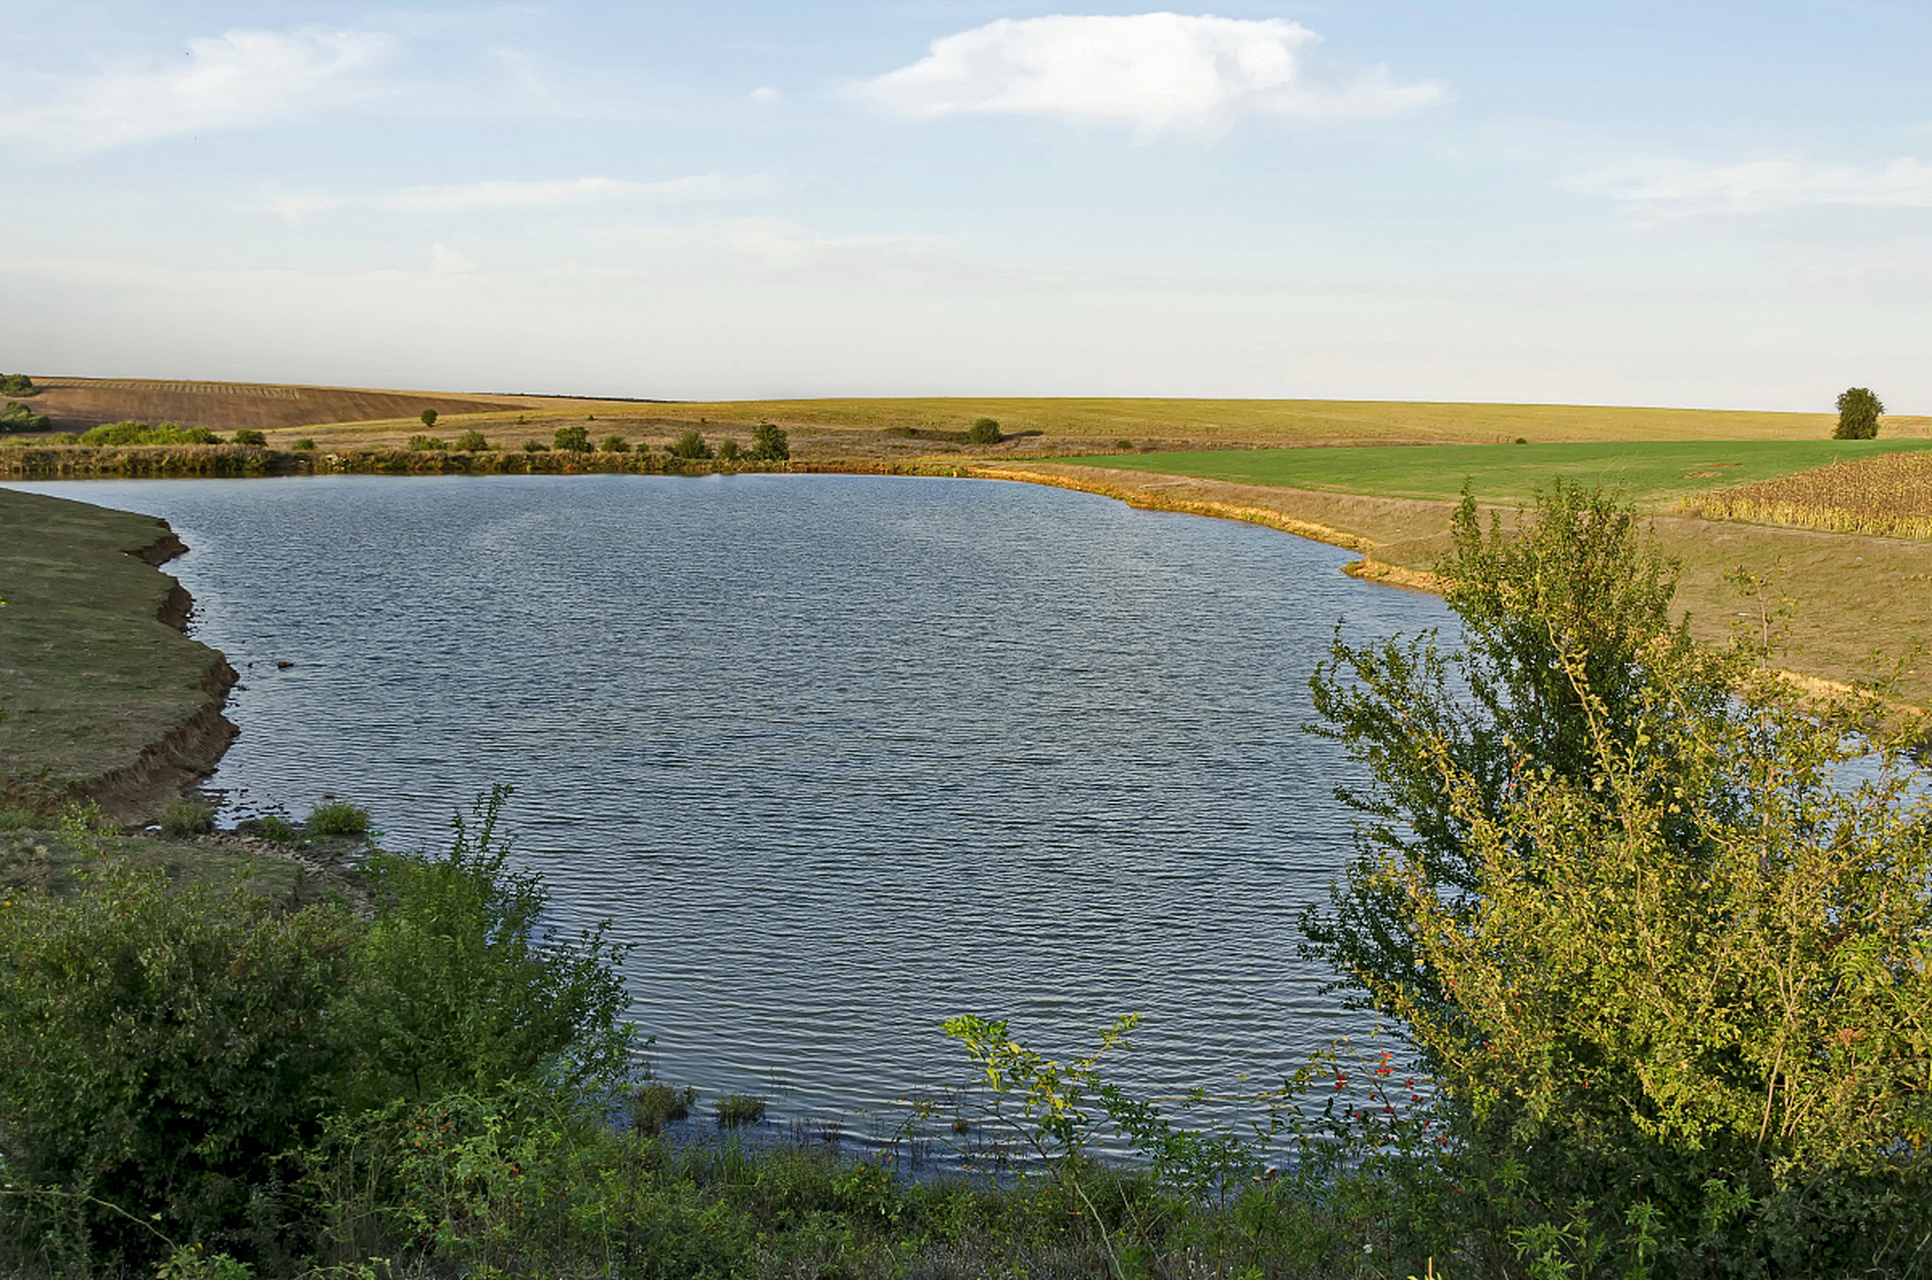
(156,1047)
(18,417)
(116,434)
(769,443)
(274,828)
(1858,414)
(1665,963)
(306,444)
(181,818)
(690,447)
(473,441)
(616,444)
(421,442)
(429,418)
(458,986)
(572,439)
(338,818)
(985,431)
(248,435)
(728,451)
(535,446)
(17,384)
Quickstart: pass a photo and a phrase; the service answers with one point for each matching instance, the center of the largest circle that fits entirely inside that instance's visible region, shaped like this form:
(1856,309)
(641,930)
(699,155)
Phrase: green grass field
(1653,474)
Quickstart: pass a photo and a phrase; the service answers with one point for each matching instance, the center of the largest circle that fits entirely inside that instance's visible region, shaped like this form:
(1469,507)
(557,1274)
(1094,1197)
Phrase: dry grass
(1886,496)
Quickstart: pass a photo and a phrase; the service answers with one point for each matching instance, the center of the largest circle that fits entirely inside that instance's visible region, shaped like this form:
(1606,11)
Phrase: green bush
(535,446)
(157,1044)
(985,431)
(429,418)
(306,444)
(460,988)
(181,818)
(274,828)
(333,818)
(425,443)
(572,439)
(17,384)
(728,451)
(689,447)
(115,434)
(1668,976)
(248,435)
(616,444)
(18,417)
(769,443)
(473,441)
(1858,414)
(654,1104)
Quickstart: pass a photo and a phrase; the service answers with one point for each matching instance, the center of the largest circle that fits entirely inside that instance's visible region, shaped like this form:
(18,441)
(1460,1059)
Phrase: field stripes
(250,390)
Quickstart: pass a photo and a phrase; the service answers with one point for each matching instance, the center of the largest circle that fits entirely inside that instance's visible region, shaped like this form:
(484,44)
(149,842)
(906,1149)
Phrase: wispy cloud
(468,197)
(239,80)
(1158,72)
(1685,189)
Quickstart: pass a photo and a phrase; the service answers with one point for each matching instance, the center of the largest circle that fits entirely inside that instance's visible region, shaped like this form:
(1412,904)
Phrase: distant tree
(572,439)
(1858,411)
(17,384)
(985,431)
(769,443)
(690,446)
(429,417)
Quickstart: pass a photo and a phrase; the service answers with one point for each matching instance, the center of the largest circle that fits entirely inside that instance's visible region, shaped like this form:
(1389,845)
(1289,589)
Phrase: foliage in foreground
(1662,936)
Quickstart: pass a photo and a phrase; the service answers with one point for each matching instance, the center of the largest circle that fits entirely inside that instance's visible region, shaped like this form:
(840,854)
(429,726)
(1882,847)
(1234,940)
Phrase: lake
(842,755)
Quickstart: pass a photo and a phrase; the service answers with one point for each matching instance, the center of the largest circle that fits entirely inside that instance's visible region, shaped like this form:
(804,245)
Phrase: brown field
(343,417)
(1887,496)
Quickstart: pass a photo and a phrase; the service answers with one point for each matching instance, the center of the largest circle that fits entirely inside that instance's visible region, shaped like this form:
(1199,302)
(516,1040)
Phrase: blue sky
(1703,204)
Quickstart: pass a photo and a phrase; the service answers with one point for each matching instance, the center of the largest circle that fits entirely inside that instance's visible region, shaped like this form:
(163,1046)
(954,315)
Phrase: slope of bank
(103,695)
(1842,608)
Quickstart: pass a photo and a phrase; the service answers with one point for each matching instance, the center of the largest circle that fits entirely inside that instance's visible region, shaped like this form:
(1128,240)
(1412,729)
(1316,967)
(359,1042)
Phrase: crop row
(1889,495)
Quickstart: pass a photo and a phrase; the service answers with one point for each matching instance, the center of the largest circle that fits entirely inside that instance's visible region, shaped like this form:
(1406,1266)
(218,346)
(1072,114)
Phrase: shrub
(690,447)
(157,1042)
(572,439)
(18,417)
(17,384)
(728,451)
(117,434)
(182,818)
(1124,445)
(429,418)
(616,444)
(276,829)
(769,443)
(473,441)
(338,818)
(422,443)
(985,431)
(740,1109)
(248,435)
(15,817)
(535,446)
(306,444)
(459,987)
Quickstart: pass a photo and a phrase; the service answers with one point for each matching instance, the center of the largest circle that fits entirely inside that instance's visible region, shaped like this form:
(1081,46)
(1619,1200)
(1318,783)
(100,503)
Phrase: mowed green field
(1653,474)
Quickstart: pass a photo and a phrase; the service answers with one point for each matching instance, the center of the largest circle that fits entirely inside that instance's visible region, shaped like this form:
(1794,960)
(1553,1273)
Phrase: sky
(1699,203)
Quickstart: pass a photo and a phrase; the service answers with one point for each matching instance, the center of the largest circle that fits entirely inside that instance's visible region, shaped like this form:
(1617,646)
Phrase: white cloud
(1677,188)
(1155,71)
(239,80)
(465,197)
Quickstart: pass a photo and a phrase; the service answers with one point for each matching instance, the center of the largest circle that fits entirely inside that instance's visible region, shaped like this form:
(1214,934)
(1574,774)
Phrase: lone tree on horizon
(1858,411)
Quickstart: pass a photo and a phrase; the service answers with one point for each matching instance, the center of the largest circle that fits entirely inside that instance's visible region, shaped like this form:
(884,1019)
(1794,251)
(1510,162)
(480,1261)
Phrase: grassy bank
(103,695)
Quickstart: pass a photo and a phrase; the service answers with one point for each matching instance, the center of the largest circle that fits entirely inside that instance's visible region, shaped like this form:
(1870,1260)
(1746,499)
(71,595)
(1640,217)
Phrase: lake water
(843,756)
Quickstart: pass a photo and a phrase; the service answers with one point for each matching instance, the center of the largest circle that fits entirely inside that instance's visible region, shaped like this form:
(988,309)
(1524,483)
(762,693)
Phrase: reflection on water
(842,756)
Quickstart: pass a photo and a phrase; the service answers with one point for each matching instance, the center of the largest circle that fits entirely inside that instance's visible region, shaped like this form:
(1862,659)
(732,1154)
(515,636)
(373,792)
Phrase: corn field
(1889,495)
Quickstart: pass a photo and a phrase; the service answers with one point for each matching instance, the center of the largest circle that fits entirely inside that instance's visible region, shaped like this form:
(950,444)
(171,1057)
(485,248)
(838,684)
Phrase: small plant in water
(183,818)
(740,1108)
(654,1104)
(338,818)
